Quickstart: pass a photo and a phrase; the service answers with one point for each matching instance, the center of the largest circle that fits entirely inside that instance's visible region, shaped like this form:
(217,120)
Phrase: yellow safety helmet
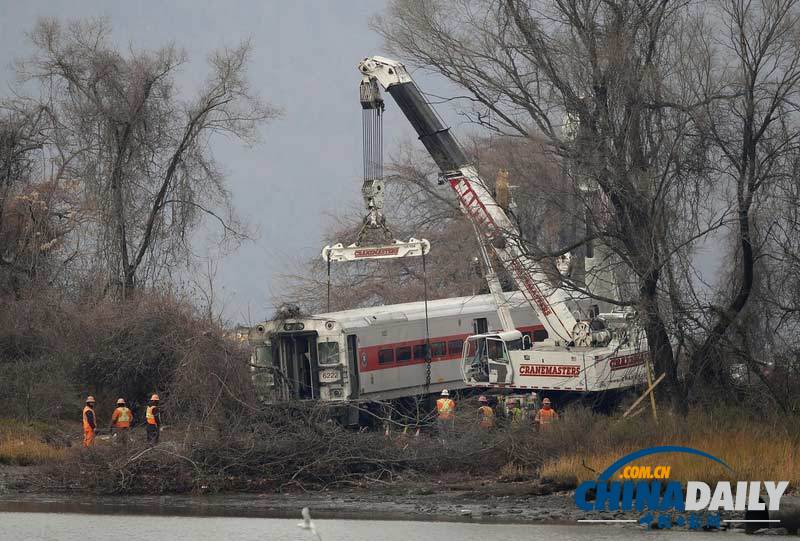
(90,399)
(546,401)
(120,401)
(154,398)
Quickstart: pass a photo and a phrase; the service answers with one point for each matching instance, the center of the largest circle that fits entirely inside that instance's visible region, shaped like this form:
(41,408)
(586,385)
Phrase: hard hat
(121,401)
(546,401)
(482,399)
(154,398)
(445,392)
(90,399)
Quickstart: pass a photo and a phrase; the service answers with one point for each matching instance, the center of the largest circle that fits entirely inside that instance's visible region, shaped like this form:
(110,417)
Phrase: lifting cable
(427,328)
(372,131)
(329,281)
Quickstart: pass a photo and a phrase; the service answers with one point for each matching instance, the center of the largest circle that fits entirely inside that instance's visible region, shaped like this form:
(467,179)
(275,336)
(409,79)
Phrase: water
(93,527)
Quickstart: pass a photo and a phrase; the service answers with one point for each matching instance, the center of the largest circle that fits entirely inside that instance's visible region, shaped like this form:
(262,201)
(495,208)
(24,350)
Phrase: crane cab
(487,357)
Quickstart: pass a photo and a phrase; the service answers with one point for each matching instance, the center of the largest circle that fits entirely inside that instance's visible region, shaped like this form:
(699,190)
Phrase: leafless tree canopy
(133,149)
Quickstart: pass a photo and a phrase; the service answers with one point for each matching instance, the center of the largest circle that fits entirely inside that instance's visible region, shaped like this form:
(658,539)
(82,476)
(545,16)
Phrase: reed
(755,450)
(22,445)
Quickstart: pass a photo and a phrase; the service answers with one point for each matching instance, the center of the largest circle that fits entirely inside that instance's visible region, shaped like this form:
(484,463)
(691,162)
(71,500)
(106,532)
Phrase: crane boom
(476,201)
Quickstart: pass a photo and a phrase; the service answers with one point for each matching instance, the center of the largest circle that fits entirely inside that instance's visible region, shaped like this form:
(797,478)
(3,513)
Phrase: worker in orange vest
(89,422)
(545,416)
(153,420)
(485,414)
(121,421)
(445,411)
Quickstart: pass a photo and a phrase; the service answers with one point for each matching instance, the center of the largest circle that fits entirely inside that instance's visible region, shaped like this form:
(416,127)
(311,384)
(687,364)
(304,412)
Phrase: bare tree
(140,152)
(756,137)
(35,213)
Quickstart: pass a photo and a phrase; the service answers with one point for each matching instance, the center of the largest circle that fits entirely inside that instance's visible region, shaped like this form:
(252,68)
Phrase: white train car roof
(413,311)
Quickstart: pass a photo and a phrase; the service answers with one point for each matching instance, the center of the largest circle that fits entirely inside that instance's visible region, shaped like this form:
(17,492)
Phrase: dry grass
(514,472)
(755,449)
(22,445)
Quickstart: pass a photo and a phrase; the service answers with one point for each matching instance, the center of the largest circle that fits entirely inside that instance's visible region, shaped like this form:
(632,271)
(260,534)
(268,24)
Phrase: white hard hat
(445,392)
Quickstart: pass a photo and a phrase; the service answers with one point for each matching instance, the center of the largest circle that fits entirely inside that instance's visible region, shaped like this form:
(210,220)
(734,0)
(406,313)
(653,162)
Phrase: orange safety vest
(121,418)
(151,415)
(487,417)
(446,408)
(86,426)
(545,417)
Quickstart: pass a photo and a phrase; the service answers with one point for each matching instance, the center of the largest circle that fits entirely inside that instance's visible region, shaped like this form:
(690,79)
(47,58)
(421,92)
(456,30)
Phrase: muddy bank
(471,500)
(340,504)
(443,499)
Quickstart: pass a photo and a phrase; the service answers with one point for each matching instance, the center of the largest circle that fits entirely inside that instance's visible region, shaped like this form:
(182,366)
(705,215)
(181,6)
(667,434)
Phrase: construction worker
(499,411)
(485,414)
(545,416)
(121,421)
(446,412)
(514,411)
(89,422)
(153,420)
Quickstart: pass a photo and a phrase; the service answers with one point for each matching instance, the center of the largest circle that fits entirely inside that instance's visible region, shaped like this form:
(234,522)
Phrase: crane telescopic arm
(490,219)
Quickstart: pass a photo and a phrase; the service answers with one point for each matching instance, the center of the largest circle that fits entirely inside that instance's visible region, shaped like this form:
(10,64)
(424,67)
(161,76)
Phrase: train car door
(298,361)
(480,325)
(352,361)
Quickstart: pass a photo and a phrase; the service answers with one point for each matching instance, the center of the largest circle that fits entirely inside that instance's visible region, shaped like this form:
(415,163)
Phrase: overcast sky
(309,163)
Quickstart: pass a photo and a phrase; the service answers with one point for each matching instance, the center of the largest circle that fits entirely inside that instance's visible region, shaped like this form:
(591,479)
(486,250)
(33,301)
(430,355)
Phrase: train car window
(328,353)
(403,354)
(540,335)
(438,349)
(419,351)
(454,347)
(386,356)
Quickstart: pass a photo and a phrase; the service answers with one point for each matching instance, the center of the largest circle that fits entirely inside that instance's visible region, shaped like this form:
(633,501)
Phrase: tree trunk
(660,347)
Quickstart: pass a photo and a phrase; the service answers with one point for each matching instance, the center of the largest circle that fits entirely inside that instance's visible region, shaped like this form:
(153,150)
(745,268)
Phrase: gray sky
(308,164)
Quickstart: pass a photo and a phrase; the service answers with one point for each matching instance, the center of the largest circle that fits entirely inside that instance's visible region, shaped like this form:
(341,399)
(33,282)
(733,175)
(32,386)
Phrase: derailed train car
(375,353)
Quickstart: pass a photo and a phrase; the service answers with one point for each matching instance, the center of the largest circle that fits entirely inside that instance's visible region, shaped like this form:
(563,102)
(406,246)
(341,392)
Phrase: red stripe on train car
(368,355)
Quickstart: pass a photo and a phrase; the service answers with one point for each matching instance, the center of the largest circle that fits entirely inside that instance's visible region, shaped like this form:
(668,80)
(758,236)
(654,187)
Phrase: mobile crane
(606,352)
